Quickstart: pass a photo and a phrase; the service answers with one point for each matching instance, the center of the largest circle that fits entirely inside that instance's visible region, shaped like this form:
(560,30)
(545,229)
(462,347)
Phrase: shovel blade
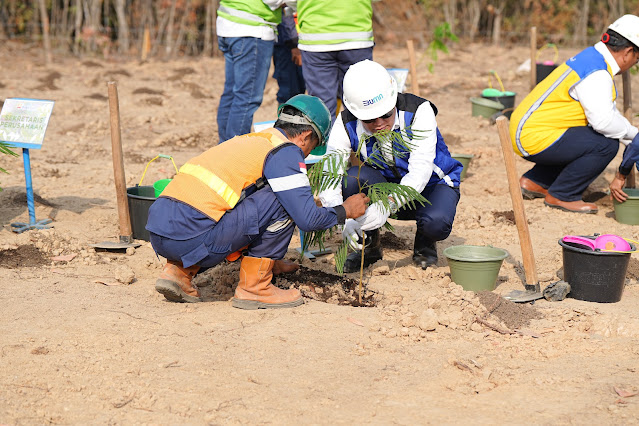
(519,296)
(109,245)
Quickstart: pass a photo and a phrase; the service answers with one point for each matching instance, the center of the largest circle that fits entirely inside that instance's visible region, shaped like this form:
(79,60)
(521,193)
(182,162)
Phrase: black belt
(252,189)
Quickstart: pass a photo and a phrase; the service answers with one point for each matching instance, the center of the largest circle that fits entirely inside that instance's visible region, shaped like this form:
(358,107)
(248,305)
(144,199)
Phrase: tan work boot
(284,266)
(570,206)
(530,189)
(255,290)
(175,283)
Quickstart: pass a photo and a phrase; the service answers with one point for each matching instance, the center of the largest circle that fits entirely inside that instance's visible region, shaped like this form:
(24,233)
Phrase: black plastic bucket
(140,199)
(508,101)
(544,70)
(594,276)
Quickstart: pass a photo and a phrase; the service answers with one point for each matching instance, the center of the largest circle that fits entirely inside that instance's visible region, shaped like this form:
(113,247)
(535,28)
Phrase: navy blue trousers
(573,162)
(324,72)
(259,222)
(434,221)
(290,79)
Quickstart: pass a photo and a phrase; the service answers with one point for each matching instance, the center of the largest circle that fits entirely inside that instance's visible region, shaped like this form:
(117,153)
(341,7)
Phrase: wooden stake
(146,43)
(413,67)
(518,206)
(533,57)
(118,164)
(627,112)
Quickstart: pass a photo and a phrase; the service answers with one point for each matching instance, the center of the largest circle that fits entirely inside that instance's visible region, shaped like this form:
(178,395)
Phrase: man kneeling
(243,198)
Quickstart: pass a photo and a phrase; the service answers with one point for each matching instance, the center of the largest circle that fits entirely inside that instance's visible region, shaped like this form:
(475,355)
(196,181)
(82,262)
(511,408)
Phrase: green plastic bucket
(465,160)
(475,268)
(159,185)
(507,99)
(485,107)
(628,211)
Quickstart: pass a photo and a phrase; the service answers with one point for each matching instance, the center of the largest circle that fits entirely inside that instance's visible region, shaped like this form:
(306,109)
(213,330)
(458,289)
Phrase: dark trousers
(434,221)
(290,80)
(324,72)
(259,222)
(572,163)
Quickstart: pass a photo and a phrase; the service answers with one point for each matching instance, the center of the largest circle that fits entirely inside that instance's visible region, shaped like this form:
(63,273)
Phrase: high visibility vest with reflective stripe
(549,110)
(213,181)
(334,21)
(249,12)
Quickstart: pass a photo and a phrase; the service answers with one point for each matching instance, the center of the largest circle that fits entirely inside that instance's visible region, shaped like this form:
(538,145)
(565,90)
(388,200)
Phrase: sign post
(23,123)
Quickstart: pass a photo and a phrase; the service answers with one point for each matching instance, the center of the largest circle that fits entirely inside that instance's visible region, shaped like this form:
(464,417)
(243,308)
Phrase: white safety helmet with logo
(369,90)
(628,27)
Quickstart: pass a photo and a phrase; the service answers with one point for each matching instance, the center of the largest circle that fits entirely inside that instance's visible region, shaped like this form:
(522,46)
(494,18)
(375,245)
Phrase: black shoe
(372,253)
(424,252)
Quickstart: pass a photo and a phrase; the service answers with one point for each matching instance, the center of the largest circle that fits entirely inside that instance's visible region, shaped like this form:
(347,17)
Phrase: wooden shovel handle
(118,164)
(518,206)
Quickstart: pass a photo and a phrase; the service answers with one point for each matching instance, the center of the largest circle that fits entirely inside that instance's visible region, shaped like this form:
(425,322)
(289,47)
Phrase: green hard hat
(315,114)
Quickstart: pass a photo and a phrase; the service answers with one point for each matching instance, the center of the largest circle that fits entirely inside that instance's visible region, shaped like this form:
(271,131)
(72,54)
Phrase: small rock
(405,331)
(409,320)
(428,320)
(124,274)
(476,327)
(130,251)
(433,302)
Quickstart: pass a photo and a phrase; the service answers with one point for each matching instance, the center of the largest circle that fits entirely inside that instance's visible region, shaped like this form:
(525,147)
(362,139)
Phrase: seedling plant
(330,171)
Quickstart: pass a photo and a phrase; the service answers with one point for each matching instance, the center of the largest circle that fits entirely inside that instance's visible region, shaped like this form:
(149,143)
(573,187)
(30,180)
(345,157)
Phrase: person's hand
(375,217)
(355,205)
(352,234)
(616,188)
(296,56)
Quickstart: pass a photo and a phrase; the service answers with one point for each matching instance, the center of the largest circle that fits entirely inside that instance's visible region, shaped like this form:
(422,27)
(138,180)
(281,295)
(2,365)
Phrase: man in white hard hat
(569,125)
(373,104)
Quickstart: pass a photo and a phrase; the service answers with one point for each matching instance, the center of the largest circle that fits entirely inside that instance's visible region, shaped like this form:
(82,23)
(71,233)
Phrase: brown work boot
(530,189)
(284,266)
(175,283)
(570,206)
(255,290)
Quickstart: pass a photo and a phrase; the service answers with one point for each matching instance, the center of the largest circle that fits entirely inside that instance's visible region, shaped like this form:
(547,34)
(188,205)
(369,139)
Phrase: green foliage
(329,172)
(325,174)
(4,149)
(441,35)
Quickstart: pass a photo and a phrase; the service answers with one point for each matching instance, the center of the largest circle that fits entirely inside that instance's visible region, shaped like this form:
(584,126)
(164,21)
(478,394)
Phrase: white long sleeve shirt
(594,95)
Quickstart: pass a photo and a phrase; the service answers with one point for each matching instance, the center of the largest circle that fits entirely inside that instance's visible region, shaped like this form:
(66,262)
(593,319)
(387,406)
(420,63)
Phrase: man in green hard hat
(242,199)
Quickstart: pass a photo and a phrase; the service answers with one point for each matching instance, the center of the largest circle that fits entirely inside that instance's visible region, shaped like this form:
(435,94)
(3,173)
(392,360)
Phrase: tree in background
(187,27)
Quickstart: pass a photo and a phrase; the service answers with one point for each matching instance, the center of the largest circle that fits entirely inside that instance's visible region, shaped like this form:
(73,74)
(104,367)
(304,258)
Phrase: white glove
(375,217)
(352,233)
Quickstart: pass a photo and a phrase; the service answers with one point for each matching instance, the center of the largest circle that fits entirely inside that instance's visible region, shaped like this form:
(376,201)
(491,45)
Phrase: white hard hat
(628,27)
(369,90)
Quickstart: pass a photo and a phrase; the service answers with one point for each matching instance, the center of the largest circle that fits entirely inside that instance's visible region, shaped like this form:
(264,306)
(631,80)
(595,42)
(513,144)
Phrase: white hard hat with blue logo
(370,91)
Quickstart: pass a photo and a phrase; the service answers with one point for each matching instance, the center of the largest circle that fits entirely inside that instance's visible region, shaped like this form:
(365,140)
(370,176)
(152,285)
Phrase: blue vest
(446,170)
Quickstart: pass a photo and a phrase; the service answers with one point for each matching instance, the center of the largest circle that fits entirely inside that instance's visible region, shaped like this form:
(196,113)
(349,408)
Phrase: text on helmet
(377,98)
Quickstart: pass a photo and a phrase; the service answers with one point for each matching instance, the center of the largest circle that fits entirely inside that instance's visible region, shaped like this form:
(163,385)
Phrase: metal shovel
(126,234)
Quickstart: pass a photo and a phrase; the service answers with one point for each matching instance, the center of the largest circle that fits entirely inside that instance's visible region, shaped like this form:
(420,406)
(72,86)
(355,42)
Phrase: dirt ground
(84,337)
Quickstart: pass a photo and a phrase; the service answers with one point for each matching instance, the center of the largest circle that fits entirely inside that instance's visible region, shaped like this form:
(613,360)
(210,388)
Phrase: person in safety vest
(246,35)
(569,125)
(243,198)
(333,35)
(373,104)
